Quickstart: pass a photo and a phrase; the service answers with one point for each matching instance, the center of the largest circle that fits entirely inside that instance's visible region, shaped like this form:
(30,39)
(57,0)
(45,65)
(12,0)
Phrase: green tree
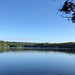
(68,8)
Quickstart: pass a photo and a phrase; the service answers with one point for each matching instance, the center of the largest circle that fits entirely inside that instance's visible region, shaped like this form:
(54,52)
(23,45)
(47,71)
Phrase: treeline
(28,44)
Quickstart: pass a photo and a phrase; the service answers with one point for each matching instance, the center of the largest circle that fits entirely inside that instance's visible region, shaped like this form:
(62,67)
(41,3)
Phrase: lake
(36,62)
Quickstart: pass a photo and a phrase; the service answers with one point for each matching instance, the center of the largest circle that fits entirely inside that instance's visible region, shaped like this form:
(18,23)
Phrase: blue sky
(34,21)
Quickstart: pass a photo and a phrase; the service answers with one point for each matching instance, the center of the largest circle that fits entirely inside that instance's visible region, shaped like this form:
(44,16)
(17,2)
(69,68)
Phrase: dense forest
(28,44)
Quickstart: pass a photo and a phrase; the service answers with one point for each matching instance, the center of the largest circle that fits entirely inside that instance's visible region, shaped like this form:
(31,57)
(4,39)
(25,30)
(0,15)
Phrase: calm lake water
(36,62)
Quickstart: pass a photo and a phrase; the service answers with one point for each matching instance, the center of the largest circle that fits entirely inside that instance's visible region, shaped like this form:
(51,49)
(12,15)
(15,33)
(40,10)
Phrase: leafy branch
(68,8)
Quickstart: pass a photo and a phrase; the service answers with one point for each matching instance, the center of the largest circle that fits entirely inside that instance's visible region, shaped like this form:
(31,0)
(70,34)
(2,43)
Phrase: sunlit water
(36,62)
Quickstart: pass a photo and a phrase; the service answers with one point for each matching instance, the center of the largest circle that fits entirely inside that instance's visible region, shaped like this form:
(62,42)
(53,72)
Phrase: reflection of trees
(69,51)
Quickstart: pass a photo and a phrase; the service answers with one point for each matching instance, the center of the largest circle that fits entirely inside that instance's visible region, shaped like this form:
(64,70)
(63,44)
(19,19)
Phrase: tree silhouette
(68,8)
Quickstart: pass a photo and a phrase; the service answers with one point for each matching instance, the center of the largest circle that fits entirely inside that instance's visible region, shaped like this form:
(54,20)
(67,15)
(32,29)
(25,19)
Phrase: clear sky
(34,21)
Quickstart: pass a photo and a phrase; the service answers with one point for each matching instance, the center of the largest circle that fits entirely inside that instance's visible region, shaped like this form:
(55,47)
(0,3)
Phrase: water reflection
(22,61)
(28,49)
